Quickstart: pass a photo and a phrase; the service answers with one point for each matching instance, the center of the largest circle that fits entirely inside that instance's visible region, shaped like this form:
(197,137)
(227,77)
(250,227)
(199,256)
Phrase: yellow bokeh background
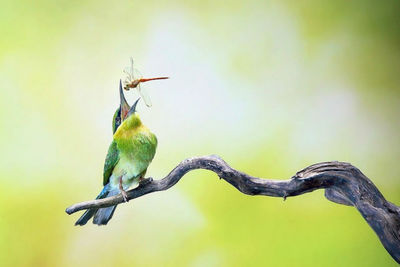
(270,86)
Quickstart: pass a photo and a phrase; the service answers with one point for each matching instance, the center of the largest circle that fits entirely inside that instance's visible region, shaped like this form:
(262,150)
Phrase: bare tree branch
(343,184)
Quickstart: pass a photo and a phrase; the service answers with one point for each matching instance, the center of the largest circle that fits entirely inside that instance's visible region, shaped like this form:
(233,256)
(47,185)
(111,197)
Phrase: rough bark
(343,184)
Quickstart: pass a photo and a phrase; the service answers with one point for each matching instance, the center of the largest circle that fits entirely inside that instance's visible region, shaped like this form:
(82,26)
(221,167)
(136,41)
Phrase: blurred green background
(270,86)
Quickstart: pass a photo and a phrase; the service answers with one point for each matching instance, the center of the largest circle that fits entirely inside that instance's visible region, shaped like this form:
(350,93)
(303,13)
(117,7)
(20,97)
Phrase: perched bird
(121,111)
(130,153)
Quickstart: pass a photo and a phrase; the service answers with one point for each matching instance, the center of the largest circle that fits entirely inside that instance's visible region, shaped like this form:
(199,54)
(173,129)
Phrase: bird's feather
(112,159)
(91,212)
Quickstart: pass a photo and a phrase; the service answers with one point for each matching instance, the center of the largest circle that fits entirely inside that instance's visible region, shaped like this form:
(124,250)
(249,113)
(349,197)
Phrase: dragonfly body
(136,82)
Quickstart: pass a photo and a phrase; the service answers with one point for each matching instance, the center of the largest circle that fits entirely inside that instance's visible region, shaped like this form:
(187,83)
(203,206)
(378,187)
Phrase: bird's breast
(136,152)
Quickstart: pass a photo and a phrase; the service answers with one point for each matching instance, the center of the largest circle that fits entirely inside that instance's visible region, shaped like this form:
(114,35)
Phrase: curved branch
(343,184)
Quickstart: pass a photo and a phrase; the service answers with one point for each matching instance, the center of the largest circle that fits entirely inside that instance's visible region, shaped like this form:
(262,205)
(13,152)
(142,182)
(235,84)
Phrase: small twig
(343,184)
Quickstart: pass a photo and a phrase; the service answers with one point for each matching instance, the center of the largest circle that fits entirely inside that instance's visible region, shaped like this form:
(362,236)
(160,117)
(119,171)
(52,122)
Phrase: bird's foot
(123,192)
(144,181)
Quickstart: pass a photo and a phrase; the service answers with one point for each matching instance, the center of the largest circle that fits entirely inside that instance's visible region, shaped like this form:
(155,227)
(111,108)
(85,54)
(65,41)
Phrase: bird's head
(122,111)
(131,122)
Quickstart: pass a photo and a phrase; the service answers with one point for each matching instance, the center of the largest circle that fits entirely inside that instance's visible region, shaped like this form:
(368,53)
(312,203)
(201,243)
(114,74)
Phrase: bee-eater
(122,110)
(130,153)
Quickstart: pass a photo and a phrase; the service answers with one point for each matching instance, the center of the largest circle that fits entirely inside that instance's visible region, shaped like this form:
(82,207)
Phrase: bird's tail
(101,216)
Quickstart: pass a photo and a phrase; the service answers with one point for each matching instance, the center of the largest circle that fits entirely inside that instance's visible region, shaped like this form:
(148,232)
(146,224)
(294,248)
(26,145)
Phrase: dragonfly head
(131,84)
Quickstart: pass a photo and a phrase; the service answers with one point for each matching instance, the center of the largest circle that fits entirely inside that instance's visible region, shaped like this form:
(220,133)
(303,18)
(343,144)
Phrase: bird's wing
(111,160)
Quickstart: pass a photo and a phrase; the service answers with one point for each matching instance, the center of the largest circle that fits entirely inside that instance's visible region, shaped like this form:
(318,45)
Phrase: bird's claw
(145,181)
(124,196)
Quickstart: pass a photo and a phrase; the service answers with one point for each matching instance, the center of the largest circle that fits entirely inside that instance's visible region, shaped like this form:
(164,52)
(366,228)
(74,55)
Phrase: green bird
(130,153)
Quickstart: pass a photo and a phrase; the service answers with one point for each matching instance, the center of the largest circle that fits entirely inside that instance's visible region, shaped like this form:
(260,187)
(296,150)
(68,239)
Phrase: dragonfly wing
(131,69)
(129,74)
(144,95)
(136,74)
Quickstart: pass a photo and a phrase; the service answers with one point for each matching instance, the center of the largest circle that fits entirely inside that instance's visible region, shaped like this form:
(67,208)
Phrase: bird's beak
(124,106)
(133,108)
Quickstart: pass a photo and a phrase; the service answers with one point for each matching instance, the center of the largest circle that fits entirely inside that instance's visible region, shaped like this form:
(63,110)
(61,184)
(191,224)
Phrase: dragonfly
(134,79)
